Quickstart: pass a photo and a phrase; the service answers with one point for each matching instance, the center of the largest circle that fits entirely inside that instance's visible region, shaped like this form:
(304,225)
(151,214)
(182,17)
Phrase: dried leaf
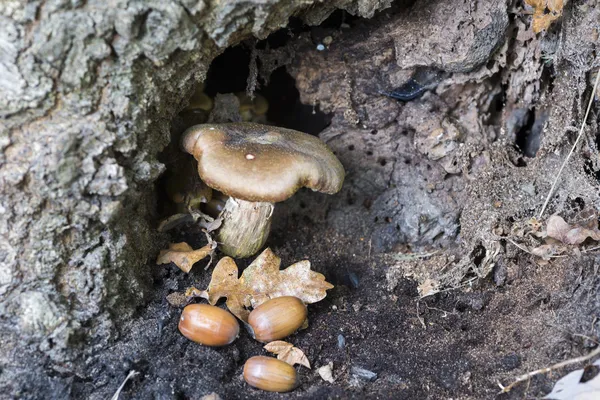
(288,353)
(326,372)
(278,346)
(547,251)
(193,292)
(182,255)
(428,288)
(545,12)
(262,281)
(558,229)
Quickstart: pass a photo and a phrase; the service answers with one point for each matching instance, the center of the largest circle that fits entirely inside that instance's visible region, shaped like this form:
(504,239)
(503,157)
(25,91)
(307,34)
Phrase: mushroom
(256,166)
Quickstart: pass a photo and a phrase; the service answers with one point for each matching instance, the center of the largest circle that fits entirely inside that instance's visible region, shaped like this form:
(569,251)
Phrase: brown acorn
(277,318)
(270,374)
(208,325)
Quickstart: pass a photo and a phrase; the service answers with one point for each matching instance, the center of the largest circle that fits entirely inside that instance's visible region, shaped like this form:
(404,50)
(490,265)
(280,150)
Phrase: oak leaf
(288,353)
(261,281)
(182,255)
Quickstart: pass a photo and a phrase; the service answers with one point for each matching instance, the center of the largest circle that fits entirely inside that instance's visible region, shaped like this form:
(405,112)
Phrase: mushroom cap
(255,162)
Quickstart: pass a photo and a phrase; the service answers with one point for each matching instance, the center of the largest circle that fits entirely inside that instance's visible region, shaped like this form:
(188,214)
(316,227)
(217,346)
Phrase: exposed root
(130,375)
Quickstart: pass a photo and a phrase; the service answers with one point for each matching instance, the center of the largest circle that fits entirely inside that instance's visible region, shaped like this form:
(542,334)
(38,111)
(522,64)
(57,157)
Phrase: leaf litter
(558,238)
(560,230)
(288,353)
(183,255)
(261,281)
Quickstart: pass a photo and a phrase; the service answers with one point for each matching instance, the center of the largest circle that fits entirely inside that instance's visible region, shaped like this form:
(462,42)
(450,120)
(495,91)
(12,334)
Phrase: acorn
(208,325)
(277,318)
(270,374)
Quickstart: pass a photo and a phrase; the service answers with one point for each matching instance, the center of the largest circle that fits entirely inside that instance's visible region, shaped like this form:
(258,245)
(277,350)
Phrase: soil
(415,209)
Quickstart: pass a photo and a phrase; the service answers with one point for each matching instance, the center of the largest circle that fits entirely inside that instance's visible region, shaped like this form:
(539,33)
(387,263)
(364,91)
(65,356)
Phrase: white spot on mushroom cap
(250,157)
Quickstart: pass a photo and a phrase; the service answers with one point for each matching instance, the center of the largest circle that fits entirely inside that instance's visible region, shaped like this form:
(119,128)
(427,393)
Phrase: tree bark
(87,90)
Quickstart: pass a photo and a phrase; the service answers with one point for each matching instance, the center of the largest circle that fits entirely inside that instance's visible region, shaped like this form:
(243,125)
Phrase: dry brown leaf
(545,12)
(262,281)
(288,353)
(326,372)
(182,255)
(558,229)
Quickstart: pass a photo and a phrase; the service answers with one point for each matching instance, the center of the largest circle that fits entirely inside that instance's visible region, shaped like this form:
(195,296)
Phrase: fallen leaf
(558,229)
(547,251)
(288,352)
(326,372)
(428,287)
(545,12)
(193,292)
(262,281)
(182,255)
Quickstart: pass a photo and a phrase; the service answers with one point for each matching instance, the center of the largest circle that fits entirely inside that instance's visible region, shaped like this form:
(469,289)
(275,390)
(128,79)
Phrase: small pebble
(353,278)
(363,374)
(320,47)
(341,341)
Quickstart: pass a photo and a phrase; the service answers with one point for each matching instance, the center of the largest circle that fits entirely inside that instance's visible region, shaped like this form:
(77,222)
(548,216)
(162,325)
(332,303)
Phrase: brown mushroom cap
(257,162)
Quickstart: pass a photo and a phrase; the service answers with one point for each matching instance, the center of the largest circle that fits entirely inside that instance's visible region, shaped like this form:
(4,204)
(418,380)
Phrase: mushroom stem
(245,228)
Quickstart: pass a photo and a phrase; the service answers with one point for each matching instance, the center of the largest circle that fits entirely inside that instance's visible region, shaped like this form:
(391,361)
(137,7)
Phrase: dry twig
(529,375)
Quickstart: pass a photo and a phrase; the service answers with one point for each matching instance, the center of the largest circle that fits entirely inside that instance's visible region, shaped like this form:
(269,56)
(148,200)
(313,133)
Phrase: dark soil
(457,344)
(499,312)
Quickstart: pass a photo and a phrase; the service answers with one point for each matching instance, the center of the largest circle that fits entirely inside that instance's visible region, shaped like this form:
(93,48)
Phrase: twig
(587,112)
(465,283)
(412,256)
(559,365)
(590,249)
(519,246)
(131,374)
(421,320)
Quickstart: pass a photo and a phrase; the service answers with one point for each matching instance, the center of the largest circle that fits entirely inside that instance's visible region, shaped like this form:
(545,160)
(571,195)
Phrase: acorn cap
(255,162)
